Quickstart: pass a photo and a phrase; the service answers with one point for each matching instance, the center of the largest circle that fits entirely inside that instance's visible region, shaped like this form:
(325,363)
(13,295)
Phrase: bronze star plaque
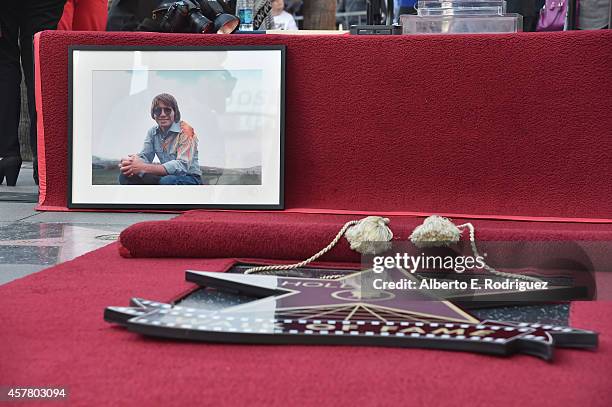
(295,310)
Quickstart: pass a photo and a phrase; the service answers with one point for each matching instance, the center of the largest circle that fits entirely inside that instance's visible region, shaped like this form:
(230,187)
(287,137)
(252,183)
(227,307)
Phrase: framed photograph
(176,128)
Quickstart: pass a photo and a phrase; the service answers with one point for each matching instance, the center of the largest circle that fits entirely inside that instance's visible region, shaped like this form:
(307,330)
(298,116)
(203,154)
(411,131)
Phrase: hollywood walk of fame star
(343,311)
(348,295)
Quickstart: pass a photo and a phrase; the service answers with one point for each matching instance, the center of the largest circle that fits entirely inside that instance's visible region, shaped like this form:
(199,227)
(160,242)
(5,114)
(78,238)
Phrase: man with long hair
(175,144)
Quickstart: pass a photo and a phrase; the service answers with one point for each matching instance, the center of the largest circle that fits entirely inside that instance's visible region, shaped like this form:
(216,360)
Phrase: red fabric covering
(53,334)
(283,235)
(84,15)
(537,248)
(474,124)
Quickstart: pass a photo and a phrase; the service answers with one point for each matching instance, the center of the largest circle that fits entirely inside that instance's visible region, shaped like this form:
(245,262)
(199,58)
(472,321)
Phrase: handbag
(552,16)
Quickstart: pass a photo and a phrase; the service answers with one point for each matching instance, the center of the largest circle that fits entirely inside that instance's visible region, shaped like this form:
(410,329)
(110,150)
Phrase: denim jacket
(176,150)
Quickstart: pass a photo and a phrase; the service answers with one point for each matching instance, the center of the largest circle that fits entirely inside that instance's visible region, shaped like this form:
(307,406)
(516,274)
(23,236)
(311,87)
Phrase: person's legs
(123,180)
(150,179)
(179,180)
(146,179)
(10,93)
(38,15)
(10,79)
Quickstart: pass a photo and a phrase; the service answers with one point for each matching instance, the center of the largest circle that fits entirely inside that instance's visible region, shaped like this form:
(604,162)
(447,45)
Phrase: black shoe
(9,167)
(35,171)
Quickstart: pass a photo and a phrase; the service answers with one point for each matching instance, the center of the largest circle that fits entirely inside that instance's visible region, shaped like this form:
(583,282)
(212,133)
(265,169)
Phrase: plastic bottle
(244,10)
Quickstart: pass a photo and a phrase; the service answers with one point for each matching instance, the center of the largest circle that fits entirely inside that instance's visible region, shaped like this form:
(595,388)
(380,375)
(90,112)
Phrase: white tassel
(367,236)
(370,235)
(435,231)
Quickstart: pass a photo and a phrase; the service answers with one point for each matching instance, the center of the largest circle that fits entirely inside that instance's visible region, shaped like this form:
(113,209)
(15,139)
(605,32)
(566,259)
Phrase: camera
(190,16)
(221,13)
(184,16)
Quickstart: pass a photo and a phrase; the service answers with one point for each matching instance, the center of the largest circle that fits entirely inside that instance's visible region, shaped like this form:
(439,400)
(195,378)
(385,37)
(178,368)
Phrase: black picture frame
(268,61)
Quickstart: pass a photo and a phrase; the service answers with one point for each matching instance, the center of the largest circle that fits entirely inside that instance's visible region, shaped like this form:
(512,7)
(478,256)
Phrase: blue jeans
(149,179)
(180,180)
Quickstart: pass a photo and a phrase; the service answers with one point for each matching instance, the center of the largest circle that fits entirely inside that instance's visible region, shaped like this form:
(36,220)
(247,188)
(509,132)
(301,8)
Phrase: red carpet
(475,124)
(53,334)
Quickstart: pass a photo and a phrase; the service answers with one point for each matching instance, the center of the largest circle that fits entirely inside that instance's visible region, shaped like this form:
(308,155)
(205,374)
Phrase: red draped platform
(490,127)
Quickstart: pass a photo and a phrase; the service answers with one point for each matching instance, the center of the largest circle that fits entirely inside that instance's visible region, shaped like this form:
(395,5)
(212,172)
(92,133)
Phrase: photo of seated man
(175,144)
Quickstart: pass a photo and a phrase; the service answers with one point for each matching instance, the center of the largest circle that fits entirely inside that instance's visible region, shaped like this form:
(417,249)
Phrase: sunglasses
(158,110)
